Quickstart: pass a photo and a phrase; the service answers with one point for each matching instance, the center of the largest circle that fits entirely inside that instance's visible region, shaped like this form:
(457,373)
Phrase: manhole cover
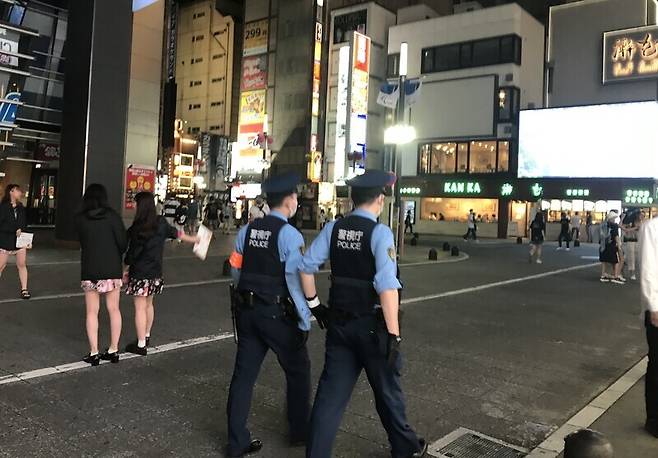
(464,443)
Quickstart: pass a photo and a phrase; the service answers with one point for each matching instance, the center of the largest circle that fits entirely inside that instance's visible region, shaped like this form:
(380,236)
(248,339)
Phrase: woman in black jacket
(103,241)
(146,238)
(12,222)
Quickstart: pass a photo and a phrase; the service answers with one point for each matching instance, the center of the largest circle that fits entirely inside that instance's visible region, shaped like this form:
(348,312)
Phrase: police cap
(372,179)
(284,183)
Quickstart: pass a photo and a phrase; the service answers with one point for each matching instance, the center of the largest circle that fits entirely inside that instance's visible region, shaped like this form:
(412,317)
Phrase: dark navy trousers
(259,330)
(351,347)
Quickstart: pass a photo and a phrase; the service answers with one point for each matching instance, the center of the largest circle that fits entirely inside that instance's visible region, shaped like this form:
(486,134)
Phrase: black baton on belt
(233,294)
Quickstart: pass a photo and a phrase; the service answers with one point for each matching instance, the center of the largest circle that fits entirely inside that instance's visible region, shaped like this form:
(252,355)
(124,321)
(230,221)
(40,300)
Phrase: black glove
(321,314)
(393,349)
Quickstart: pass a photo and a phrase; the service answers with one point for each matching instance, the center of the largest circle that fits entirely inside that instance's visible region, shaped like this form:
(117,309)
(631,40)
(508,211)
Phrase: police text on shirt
(259,238)
(349,239)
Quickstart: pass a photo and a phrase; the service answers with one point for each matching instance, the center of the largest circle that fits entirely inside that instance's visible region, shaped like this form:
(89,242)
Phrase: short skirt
(101,286)
(145,287)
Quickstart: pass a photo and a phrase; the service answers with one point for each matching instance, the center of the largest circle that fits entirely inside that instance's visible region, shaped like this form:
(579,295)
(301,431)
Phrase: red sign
(254,73)
(361,52)
(138,178)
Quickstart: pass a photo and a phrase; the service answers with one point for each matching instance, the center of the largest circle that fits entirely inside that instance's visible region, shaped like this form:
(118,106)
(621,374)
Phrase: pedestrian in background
(470,224)
(103,242)
(631,229)
(575,227)
(192,221)
(609,250)
(13,221)
(588,227)
(271,315)
(228,219)
(146,239)
(260,209)
(537,236)
(212,215)
(322,218)
(407,223)
(649,287)
(170,206)
(565,231)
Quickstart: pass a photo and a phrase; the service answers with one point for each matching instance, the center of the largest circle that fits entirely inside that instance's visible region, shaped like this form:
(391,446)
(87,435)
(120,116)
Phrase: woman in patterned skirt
(103,241)
(146,238)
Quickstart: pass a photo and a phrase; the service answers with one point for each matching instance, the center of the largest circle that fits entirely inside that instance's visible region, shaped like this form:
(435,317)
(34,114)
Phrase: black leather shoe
(423,449)
(94,360)
(111,357)
(254,447)
(651,426)
(133,348)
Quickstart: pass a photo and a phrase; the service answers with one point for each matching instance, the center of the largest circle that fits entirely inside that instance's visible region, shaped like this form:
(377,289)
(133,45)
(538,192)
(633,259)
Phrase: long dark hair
(95,197)
(10,187)
(146,218)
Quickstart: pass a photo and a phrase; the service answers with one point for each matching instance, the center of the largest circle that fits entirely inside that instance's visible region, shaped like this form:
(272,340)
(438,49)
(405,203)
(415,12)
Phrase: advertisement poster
(252,111)
(138,178)
(254,73)
(255,37)
(9,46)
(350,22)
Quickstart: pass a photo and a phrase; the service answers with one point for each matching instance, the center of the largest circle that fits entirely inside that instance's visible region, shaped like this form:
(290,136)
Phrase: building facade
(478,69)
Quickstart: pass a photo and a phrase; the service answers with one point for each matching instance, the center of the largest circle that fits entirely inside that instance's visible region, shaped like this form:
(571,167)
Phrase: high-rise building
(204,68)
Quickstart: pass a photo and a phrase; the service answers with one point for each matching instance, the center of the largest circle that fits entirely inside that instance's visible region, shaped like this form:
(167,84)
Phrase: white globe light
(399,134)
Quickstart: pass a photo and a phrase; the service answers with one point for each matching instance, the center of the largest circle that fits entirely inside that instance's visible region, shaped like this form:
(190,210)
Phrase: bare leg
(4,257)
(150,315)
(539,248)
(92,303)
(141,304)
(21,263)
(112,303)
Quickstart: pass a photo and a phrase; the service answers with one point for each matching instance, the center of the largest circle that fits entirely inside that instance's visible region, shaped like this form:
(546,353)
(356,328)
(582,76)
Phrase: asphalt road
(492,343)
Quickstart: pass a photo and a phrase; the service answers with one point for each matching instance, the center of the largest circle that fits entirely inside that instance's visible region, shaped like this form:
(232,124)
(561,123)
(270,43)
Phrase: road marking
(590,258)
(37,373)
(553,445)
(511,281)
(69,295)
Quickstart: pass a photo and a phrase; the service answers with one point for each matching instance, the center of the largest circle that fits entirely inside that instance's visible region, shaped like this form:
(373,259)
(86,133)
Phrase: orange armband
(235,260)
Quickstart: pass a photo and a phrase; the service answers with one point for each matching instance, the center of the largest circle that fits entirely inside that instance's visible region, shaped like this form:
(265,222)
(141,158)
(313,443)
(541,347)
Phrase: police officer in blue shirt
(363,329)
(271,314)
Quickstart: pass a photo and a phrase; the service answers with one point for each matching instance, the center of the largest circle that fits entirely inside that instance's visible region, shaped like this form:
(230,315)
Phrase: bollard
(519,240)
(454,251)
(433,255)
(446,246)
(586,443)
(226,268)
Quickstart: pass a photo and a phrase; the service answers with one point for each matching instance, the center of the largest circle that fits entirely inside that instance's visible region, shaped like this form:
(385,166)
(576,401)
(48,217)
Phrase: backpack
(181,214)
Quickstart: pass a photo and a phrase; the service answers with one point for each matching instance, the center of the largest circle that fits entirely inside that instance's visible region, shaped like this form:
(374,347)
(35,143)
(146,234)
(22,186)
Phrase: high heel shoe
(94,360)
(111,357)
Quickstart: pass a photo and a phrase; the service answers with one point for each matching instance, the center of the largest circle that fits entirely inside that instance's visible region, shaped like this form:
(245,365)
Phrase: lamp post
(399,134)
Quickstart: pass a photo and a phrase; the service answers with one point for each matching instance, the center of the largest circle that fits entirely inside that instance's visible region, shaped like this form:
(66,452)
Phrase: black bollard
(519,240)
(433,255)
(586,443)
(454,251)
(226,268)
(446,246)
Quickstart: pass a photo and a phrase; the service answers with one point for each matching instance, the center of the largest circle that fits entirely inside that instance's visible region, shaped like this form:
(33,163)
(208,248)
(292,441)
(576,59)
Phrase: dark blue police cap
(372,179)
(284,183)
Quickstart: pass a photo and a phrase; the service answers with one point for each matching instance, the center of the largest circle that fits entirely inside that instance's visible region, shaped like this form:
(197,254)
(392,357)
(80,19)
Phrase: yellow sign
(255,37)
(252,111)
(630,54)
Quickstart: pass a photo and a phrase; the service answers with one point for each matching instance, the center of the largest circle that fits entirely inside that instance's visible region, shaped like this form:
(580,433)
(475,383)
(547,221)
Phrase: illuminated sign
(537,190)
(506,189)
(462,187)
(577,192)
(341,112)
(359,95)
(410,191)
(314,171)
(255,37)
(630,54)
(638,196)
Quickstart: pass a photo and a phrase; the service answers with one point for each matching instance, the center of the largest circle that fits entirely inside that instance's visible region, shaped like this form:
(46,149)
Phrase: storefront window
(483,157)
(443,158)
(424,159)
(455,209)
(462,158)
(503,156)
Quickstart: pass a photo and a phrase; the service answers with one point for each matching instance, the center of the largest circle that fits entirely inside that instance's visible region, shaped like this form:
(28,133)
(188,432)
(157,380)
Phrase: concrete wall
(575,51)
(144,93)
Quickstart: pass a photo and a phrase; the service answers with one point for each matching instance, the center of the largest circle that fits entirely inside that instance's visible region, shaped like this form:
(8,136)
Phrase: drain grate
(464,443)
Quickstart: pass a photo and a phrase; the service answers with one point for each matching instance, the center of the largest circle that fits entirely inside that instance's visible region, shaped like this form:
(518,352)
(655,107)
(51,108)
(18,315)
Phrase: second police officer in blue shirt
(363,330)
(271,314)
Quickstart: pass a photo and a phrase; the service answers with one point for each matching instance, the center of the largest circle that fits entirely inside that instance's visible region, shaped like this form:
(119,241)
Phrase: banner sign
(252,111)
(254,73)
(341,113)
(138,178)
(630,54)
(255,37)
(8,109)
(8,46)
(350,22)
(359,95)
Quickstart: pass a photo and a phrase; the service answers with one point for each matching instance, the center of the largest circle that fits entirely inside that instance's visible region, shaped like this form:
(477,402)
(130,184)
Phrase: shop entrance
(42,201)
(518,219)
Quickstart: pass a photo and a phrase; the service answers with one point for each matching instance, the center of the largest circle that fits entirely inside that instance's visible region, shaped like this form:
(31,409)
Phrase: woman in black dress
(103,241)
(12,222)
(146,239)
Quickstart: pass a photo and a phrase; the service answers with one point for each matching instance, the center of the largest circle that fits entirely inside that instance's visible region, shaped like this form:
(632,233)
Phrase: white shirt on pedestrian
(649,265)
(256,212)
